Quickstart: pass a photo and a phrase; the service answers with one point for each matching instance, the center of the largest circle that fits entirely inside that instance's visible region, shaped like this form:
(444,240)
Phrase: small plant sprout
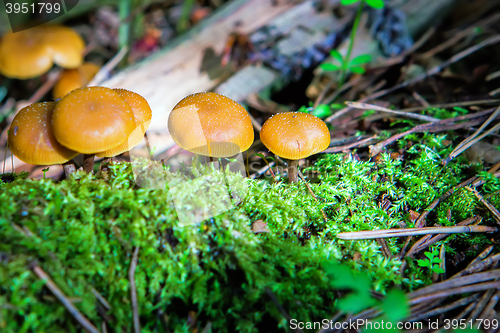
(295,135)
(432,262)
(346,64)
(45,171)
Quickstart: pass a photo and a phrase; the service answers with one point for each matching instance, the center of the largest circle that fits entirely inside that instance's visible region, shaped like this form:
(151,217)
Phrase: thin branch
(490,207)
(459,56)
(365,106)
(105,71)
(133,291)
(456,291)
(339,149)
(412,232)
(64,300)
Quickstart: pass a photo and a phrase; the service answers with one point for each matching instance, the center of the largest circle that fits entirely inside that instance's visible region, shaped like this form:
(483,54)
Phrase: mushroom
(72,79)
(92,120)
(32,140)
(211,124)
(142,114)
(32,52)
(295,135)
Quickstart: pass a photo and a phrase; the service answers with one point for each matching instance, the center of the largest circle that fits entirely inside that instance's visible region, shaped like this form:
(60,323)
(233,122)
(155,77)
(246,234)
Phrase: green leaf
(348,2)
(329,67)
(395,305)
(424,263)
(377,4)
(337,56)
(356,302)
(322,111)
(361,59)
(357,69)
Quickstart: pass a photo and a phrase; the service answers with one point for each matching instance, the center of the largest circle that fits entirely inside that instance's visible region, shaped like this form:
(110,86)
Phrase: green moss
(83,231)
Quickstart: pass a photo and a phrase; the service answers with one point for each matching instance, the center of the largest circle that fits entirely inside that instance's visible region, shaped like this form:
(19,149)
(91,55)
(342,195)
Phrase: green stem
(347,59)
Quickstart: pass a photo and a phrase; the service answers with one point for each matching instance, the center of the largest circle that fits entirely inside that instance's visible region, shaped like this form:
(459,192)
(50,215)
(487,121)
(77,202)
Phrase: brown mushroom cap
(91,120)
(72,79)
(32,52)
(295,135)
(211,124)
(142,113)
(31,137)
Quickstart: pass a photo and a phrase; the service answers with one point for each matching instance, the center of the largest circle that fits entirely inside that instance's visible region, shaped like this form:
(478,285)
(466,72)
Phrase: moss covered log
(214,275)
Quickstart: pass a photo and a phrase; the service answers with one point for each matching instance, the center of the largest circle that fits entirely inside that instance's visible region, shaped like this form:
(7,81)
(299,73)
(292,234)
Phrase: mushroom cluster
(294,136)
(89,121)
(32,52)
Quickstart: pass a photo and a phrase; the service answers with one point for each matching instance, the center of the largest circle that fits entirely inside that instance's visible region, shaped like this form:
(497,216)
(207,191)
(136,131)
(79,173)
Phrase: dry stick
(490,207)
(387,233)
(64,300)
(133,291)
(489,309)
(52,78)
(489,41)
(480,265)
(451,105)
(104,72)
(424,243)
(421,219)
(421,100)
(471,142)
(365,106)
(456,291)
(480,305)
(458,36)
(262,170)
(280,308)
(312,193)
(339,149)
(443,309)
(438,126)
(342,89)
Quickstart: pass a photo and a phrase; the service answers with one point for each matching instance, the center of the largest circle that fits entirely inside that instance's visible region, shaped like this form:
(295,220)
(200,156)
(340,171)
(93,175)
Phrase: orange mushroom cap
(31,137)
(72,79)
(295,135)
(142,113)
(32,52)
(93,119)
(211,124)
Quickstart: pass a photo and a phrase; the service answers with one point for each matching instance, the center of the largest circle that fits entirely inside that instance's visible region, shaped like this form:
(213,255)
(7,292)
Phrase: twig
(412,232)
(339,149)
(365,106)
(490,207)
(446,308)
(456,291)
(480,305)
(451,105)
(101,299)
(489,41)
(64,300)
(462,146)
(426,242)
(262,170)
(312,193)
(52,78)
(133,291)
(108,67)
(281,309)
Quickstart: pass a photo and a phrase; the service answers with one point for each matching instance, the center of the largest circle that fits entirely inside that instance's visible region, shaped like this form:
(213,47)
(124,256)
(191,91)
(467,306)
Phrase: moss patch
(83,232)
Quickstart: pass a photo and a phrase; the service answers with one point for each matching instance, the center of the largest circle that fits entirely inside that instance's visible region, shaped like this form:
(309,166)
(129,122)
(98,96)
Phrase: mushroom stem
(88,163)
(292,170)
(69,168)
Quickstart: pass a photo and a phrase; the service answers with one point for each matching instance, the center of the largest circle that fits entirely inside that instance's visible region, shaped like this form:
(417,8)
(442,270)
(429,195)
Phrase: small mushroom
(92,120)
(295,135)
(72,79)
(32,52)
(32,140)
(142,114)
(211,124)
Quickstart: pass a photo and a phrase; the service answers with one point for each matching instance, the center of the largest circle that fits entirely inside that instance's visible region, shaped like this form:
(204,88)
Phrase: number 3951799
(463,324)
(32,8)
